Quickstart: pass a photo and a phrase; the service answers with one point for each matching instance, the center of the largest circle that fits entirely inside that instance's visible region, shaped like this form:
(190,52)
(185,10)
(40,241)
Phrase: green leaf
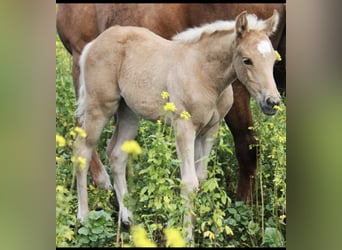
(143,190)
(237,217)
(223,199)
(97,230)
(158,204)
(232,210)
(253,228)
(151,189)
(210,185)
(272,238)
(83,231)
(84,241)
(144,198)
(93,237)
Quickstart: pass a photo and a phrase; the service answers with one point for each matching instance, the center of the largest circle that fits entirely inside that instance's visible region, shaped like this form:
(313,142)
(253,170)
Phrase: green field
(154,186)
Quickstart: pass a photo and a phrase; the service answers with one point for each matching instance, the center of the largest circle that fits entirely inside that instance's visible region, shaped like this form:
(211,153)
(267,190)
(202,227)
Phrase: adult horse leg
(185,146)
(126,129)
(239,119)
(280,67)
(97,170)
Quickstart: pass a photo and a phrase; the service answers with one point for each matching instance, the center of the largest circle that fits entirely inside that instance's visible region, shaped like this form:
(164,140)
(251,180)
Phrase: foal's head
(254,59)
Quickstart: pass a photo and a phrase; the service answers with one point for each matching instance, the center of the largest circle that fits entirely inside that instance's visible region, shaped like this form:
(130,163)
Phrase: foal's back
(126,40)
(134,63)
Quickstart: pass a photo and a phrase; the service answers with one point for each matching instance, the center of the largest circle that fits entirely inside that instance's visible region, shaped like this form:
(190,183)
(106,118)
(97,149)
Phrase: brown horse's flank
(125,69)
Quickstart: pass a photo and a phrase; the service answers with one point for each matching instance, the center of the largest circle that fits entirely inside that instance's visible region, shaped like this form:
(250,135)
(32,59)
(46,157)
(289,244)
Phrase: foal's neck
(218,50)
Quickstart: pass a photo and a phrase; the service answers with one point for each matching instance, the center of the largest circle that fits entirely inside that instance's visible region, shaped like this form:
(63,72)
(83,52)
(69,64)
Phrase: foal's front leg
(205,142)
(185,145)
(203,146)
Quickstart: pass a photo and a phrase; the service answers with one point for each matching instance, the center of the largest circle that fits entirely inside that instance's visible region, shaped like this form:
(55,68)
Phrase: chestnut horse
(125,70)
(78,24)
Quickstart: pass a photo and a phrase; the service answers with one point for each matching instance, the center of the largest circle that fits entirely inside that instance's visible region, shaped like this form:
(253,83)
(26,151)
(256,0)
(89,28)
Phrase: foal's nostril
(272,103)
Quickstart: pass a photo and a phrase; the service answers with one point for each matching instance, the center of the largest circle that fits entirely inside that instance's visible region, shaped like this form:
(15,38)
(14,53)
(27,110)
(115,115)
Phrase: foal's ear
(272,23)
(241,24)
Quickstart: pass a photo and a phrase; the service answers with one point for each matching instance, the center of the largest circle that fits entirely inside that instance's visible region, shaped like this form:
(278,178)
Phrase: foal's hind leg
(97,114)
(98,172)
(126,129)
(93,125)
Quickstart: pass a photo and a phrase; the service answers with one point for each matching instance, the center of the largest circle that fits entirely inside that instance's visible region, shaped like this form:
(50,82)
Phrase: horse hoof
(104,184)
(81,216)
(80,220)
(126,225)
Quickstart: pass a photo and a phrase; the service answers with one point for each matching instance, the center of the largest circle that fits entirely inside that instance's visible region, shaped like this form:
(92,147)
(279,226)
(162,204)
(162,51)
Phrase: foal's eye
(247,61)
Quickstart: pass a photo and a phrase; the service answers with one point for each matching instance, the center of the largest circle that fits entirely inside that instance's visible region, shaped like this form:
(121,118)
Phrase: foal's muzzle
(268,104)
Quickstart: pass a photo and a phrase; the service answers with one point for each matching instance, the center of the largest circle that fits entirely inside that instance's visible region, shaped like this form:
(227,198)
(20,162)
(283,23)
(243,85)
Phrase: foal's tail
(81,102)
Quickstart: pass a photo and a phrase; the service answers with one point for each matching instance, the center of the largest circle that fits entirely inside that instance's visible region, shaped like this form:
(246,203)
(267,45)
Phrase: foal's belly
(144,104)
(145,109)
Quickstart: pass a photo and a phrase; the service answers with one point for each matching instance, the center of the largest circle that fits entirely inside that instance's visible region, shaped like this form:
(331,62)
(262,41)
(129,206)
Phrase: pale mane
(194,34)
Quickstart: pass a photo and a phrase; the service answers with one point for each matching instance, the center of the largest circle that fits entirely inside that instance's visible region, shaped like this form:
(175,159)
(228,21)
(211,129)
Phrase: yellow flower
(165,94)
(270,125)
(281,138)
(170,106)
(73,134)
(59,188)
(209,234)
(228,230)
(80,161)
(166,199)
(131,147)
(174,238)
(282,217)
(59,159)
(69,234)
(278,57)
(159,122)
(139,237)
(80,132)
(60,141)
(185,115)
(276,107)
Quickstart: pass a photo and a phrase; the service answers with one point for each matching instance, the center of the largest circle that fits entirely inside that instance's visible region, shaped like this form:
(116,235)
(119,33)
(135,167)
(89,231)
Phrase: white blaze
(264,47)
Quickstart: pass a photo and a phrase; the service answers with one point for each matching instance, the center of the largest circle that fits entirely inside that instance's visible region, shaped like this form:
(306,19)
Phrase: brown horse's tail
(81,102)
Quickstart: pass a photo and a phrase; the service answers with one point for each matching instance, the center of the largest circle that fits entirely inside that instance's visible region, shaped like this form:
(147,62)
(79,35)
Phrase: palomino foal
(125,70)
